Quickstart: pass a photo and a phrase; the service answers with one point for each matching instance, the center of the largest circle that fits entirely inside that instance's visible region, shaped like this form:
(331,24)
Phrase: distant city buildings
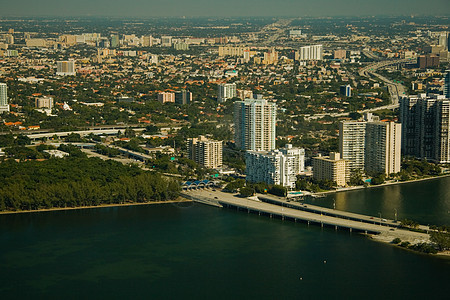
(4,106)
(295,33)
(254,124)
(44,102)
(346,90)
(232,51)
(447,84)
(165,97)
(166,41)
(65,68)
(205,152)
(331,168)
(183,97)
(340,54)
(314,52)
(427,61)
(425,127)
(226,91)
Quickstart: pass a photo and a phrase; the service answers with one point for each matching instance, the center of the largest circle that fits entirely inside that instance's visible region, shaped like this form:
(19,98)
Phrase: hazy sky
(152,8)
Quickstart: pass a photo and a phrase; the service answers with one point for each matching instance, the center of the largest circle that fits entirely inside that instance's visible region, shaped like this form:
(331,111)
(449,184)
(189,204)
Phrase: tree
(278,190)
(246,191)
(356,177)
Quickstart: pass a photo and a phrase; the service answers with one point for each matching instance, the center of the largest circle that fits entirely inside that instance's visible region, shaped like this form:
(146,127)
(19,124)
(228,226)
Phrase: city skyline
(232,8)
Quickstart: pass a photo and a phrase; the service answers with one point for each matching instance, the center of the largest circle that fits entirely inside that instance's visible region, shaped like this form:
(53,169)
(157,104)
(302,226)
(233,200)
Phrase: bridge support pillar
(308,223)
(321,224)
(270,215)
(350,230)
(335,227)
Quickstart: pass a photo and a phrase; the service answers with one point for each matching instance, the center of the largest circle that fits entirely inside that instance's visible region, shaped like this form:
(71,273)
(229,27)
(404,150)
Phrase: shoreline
(360,187)
(178,200)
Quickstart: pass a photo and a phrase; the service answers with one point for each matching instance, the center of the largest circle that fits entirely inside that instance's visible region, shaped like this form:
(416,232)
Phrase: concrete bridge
(310,214)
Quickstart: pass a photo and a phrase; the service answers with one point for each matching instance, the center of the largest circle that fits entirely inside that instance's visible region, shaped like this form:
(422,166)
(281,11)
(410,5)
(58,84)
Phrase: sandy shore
(179,200)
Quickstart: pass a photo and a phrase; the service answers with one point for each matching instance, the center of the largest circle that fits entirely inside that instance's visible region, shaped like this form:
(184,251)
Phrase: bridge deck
(232,200)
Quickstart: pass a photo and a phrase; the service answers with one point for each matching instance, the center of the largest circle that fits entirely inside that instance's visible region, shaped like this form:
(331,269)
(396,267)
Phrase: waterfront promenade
(383,230)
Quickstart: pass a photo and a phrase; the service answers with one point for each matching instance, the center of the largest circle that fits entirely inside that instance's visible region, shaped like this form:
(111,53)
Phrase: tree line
(78,181)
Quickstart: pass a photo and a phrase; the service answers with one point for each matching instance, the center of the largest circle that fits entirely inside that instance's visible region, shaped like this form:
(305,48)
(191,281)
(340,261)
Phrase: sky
(222,8)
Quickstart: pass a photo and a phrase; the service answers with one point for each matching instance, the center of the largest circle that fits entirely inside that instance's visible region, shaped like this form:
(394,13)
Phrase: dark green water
(195,251)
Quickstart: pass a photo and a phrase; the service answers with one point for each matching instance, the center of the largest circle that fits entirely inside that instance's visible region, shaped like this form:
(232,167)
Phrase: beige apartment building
(331,168)
(383,153)
(205,152)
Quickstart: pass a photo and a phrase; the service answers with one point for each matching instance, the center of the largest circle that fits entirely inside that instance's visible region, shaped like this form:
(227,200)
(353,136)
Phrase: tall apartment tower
(383,147)
(271,167)
(66,67)
(447,84)
(226,91)
(254,124)
(425,127)
(205,152)
(4,106)
(352,143)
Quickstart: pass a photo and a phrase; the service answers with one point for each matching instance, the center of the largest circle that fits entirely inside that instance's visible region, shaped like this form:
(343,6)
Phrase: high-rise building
(444,40)
(314,52)
(271,167)
(383,147)
(232,51)
(226,91)
(352,143)
(4,106)
(166,41)
(114,41)
(254,124)
(447,84)
(183,97)
(425,127)
(371,146)
(299,157)
(66,67)
(346,90)
(271,57)
(427,61)
(331,168)
(205,152)
(147,41)
(166,97)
